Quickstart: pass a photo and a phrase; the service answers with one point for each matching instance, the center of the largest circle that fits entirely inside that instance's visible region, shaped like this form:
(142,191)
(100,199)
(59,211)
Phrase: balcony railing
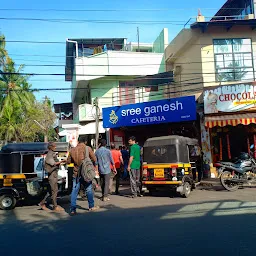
(192,20)
(131,95)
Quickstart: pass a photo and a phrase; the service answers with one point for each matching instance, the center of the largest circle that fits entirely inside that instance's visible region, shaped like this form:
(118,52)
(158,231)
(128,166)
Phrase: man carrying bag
(84,173)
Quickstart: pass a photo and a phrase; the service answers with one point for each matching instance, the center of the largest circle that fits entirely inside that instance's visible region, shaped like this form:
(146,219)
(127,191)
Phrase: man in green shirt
(134,167)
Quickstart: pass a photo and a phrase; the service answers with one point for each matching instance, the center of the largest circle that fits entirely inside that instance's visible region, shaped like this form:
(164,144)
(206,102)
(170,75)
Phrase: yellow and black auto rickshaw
(22,174)
(167,164)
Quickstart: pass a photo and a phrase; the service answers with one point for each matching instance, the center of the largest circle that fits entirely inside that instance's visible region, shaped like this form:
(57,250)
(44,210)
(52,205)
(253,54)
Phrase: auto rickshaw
(22,174)
(167,164)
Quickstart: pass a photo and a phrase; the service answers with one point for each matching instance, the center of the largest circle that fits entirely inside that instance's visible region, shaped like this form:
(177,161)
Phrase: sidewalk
(210,181)
(209,184)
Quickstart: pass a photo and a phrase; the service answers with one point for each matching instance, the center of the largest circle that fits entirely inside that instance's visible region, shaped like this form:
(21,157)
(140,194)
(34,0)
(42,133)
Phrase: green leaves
(18,105)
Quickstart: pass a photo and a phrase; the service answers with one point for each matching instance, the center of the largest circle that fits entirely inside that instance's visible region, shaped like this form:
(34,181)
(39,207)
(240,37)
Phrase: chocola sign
(230,98)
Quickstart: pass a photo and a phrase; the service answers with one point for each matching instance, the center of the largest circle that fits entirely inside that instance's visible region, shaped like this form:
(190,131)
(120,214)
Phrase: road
(207,223)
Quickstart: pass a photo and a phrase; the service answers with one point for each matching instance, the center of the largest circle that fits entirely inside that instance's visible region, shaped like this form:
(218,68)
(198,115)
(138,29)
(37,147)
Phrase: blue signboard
(153,112)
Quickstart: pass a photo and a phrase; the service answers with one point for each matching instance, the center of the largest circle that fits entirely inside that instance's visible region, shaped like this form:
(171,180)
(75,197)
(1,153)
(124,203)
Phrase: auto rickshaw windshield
(160,154)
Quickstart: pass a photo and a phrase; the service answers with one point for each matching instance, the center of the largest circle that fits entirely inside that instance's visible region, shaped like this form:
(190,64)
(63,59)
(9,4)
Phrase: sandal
(95,208)
(73,213)
(58,209)
(43,207)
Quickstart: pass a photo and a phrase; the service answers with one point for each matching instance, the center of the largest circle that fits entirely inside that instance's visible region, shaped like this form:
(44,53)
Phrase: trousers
(104,182)
(87,186)
(53,181)
(135,181)
(115,181)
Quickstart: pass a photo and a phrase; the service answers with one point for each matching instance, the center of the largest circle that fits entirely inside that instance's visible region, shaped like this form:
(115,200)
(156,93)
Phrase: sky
(175,12)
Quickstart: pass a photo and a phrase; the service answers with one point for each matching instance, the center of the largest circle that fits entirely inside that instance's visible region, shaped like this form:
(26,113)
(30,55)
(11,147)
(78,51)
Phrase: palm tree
(15,99)
(3,52)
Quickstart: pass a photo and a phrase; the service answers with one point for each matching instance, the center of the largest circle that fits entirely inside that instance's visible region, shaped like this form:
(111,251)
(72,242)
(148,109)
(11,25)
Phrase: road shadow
(205,228)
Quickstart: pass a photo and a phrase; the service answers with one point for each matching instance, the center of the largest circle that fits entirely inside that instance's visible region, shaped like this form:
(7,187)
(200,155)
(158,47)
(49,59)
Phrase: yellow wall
(196,56)
(186,63)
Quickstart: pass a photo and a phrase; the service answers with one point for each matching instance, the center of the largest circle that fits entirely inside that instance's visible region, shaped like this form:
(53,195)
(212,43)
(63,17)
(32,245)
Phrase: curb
(209,184)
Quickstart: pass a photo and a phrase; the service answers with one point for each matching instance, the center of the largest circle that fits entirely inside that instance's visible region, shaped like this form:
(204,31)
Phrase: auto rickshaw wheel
(186,190)
(7,202)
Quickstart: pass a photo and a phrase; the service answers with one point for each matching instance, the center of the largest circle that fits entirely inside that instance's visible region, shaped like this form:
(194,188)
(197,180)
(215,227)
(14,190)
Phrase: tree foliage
(22,117)
(3,52)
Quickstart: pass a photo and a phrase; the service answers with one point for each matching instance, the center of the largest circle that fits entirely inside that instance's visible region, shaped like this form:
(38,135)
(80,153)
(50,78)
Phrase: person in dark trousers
(104,162)
(196,156)
(52,166)
(76,156)
(134,167)
(125,156)
(199,164)
(118,159)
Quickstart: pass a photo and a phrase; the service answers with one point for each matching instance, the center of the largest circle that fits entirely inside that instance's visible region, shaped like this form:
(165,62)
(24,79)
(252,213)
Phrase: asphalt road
(207,223)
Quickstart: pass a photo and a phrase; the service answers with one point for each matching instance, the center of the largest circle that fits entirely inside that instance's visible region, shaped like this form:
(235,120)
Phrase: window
(160,154)
(233,59)
(40,165)
(151,88)
(126,93)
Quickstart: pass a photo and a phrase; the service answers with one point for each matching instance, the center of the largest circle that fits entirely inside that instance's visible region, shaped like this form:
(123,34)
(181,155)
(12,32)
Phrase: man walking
(77,155)
(134,167)
(52,166)
(118,160)
(104,161)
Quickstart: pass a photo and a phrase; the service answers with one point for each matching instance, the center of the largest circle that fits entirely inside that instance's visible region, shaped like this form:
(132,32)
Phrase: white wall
(118,63)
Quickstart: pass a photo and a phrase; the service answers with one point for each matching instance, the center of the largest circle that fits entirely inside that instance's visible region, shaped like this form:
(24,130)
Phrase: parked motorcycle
(235,174)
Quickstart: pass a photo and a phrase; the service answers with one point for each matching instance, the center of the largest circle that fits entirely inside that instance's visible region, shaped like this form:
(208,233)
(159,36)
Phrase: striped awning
(245,119)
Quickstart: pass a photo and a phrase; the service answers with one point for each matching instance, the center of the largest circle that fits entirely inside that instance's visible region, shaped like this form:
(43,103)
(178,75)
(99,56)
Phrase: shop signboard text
(230,98)
(154,112)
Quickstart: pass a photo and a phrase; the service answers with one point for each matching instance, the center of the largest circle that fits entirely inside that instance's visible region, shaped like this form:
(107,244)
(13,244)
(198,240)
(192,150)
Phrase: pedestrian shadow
(110,207)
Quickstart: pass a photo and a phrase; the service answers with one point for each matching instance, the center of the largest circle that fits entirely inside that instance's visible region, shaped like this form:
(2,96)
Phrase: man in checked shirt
(76,156)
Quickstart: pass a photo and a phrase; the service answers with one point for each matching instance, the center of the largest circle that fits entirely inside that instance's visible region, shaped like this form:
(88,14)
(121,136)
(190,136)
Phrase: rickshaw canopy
(19,157)
(33,147)
(170,140)
(168,149)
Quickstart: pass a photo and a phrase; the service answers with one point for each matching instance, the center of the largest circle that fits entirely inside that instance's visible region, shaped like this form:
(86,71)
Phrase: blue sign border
(153,112)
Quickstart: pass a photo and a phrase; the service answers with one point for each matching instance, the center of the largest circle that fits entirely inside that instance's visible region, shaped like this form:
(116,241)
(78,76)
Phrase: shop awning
(234,120)
(91,128)
(63,133)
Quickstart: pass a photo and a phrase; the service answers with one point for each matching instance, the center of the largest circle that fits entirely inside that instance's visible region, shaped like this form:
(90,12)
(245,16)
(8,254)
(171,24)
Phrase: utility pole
(96,105)
(138,35)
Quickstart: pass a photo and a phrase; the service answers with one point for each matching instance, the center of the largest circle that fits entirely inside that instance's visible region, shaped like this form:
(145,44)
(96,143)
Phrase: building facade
(110,70)
(215,61)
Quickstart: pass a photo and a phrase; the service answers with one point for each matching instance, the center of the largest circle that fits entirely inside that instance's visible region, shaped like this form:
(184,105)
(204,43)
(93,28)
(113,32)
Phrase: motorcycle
(241,171)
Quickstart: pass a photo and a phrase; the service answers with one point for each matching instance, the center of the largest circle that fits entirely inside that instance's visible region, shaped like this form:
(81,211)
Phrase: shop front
(151,119)
(71,133)
(230,121)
